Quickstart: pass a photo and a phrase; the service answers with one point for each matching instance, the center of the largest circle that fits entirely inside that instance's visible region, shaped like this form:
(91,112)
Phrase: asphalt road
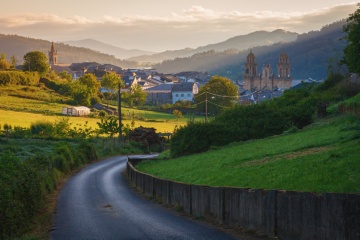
(97,203)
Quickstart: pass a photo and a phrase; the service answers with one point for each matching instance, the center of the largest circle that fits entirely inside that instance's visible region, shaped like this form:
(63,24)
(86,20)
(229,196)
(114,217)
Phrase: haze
(161,25)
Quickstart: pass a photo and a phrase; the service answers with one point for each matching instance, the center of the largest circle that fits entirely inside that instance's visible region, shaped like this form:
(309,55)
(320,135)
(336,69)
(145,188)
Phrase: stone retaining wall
(283,214)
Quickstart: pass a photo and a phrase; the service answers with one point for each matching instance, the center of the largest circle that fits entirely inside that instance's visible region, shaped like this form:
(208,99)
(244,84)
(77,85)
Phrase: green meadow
(324,157)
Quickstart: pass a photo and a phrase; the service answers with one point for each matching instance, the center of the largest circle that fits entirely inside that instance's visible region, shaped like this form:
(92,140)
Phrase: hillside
(118,52)
(321,158)
(309,56)
(19,46)
(259,38)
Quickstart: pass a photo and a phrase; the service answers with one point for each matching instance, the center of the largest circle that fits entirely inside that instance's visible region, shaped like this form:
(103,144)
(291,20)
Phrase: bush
(19,78)
(42,129)
(295,108)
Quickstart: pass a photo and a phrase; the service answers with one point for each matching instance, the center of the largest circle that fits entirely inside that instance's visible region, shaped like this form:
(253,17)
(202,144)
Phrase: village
(183,86)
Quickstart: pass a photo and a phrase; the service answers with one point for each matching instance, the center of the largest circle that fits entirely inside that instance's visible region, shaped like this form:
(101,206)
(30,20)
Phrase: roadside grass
(24,148)
(324,157)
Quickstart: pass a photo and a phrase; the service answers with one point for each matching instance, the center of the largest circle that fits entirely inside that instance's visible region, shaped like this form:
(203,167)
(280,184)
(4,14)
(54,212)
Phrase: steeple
(52,55)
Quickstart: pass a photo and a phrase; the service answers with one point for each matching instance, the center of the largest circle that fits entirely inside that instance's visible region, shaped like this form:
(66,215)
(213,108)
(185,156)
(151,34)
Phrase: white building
(76,111)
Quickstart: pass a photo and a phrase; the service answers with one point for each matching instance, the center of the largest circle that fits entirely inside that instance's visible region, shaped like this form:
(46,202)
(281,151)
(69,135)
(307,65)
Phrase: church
(53,55)
(266,79)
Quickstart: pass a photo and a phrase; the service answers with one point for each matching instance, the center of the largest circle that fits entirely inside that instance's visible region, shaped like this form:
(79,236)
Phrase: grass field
(325,157)
(25,119)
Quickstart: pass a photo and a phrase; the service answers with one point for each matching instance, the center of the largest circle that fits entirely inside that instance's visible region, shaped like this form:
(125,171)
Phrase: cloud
(192,27)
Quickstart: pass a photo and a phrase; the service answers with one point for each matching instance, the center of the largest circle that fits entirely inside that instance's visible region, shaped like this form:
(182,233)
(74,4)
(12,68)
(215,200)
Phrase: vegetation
(320,158)
(216,95)
(352,49)
(241,123)
(18,78)
(135,97)
(36,62)
(69,54)
(4,64)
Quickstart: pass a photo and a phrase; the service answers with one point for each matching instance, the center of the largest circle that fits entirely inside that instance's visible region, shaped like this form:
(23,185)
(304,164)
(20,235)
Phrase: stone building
(266,79)
(53,55)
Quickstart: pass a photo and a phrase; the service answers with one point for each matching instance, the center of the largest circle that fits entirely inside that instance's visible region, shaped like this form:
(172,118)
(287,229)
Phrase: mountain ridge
(96,45)
(240,42)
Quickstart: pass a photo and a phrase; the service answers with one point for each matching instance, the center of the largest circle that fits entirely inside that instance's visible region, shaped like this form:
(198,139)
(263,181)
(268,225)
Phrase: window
(189,94)
(182,95)
(176,95)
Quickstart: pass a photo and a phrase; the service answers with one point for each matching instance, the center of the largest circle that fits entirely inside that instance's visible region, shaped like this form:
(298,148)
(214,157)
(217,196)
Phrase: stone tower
(267,80)
(53,56)
(250,65)
(283,66)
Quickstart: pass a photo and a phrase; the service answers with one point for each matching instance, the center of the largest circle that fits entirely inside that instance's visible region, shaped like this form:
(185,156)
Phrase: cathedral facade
(266,79)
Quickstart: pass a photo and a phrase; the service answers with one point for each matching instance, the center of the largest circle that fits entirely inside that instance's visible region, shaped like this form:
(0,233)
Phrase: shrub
(42,129)
(19,78)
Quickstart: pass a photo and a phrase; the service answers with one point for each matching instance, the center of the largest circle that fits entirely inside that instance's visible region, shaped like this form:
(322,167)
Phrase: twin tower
(267,80)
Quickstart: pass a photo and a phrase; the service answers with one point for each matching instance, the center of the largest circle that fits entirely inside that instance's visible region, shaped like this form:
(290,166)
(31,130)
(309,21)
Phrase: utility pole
(206,107)
(119,112)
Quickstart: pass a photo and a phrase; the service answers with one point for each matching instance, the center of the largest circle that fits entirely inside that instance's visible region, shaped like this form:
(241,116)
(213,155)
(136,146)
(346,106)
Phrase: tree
(13,62)
(137,95)
(4,64)
(92,84)
(36,61)
(216,95)
(65,75)
(111,80)
(352,50)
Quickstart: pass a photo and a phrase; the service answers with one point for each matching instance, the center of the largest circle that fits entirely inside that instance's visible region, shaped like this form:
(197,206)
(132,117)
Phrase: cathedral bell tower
(52,55)
(250,65)
(283,66)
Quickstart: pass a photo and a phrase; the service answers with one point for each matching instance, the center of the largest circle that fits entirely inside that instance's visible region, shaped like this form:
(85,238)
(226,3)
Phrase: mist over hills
(258,38)
(309,55)
(118,52)
(19,46)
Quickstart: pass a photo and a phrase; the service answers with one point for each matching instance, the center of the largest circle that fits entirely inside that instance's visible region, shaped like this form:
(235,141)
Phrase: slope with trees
(14,45)
(309,56)
(258,38)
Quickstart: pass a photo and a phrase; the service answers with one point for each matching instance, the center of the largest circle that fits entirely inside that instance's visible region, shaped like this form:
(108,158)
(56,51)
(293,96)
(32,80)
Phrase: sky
(159,25)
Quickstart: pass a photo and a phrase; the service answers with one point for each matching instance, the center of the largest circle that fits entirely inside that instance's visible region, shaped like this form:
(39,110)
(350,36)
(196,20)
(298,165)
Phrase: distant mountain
(259,38)
(19,46)
(118,52)
(309,55)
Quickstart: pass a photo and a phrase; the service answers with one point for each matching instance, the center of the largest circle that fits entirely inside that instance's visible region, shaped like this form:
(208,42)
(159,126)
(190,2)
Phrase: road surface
(97,203)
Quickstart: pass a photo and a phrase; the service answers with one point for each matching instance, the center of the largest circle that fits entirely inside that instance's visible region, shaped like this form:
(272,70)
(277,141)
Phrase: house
(184,91)
(193,76)
(76,111)
(158,95)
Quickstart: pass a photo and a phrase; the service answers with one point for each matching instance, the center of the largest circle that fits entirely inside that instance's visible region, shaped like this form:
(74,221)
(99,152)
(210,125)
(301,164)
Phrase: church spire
(52,55)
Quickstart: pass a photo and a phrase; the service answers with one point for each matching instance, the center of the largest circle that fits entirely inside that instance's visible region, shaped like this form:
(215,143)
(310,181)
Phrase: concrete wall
(283,214)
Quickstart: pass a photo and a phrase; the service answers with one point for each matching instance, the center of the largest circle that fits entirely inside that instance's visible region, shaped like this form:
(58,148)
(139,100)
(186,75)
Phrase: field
(321,158)
(23,105)
(25,119)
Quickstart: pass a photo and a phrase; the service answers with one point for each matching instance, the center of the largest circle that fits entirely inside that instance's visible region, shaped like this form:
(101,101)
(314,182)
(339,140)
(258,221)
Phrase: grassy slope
(23,105)
(322,158)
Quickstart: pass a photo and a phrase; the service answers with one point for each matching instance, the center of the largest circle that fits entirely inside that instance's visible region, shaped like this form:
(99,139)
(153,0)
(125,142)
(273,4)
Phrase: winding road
(97,203)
